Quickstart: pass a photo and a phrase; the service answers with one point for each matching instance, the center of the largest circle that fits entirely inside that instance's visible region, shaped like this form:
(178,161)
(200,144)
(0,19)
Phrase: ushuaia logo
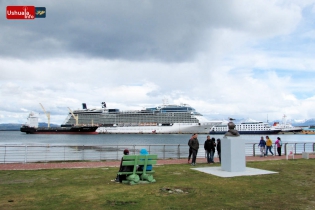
(25,12)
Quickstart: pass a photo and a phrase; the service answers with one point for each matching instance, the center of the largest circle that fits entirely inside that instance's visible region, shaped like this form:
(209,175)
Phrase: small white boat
(249,126)
(286,127)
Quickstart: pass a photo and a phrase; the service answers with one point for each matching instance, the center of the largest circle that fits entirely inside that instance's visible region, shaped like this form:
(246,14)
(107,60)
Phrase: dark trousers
(212,156)
(279,151)
(194,155)
(190,153)
(120,178)
(208,156)
(219,153)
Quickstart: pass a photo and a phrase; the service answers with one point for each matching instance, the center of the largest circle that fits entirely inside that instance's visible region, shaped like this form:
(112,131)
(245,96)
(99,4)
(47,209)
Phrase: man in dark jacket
(194,144)
(190,150)
(207,147)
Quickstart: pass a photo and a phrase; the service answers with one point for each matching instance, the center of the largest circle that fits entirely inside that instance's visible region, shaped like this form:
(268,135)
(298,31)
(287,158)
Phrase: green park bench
(135,176)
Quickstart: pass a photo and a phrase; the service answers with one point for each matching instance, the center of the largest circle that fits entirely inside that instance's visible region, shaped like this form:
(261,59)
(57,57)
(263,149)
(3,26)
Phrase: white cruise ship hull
(176,128)
(293,129)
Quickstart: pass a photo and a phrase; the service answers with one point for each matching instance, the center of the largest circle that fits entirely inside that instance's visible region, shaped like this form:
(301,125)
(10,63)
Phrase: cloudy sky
(227,58)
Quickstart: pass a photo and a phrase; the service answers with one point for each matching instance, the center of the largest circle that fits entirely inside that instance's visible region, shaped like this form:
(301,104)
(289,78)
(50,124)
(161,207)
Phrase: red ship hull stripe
(49,132)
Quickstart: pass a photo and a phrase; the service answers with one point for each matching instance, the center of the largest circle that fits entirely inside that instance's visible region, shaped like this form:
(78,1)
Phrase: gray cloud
(131,30)
(213,55)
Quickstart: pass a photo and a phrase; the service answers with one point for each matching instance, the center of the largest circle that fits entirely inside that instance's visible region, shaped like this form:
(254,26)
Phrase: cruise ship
(248,127)
(163,119)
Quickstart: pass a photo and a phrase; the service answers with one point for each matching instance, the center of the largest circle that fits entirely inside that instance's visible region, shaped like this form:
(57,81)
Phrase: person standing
(262,146)
(269,145)
(190,151)
(279,145)
(219,148)
(212,149)
(207,147)
(194,144)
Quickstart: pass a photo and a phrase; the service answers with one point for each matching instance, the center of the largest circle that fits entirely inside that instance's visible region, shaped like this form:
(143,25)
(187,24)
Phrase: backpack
(280,142)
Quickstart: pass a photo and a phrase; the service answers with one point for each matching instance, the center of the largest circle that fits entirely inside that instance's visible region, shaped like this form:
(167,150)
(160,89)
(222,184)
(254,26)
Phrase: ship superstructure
(247,127)
(161,119)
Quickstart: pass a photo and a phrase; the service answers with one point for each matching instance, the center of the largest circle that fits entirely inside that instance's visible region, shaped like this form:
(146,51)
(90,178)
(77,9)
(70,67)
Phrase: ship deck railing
(76,152)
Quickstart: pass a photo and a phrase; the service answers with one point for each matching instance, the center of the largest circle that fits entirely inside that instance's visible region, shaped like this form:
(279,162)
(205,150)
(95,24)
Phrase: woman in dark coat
(219,148)
(120,178)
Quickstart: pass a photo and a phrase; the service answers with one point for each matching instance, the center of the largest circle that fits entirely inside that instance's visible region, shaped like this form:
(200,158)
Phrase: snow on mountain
(305,123)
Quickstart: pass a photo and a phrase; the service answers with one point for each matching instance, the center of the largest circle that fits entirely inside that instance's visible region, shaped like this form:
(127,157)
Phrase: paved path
(37,166)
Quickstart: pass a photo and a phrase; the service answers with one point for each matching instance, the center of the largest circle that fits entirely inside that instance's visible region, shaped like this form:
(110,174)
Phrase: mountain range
(301,122)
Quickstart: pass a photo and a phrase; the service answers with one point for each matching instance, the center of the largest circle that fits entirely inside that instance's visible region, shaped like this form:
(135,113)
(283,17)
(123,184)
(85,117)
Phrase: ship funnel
(84,106)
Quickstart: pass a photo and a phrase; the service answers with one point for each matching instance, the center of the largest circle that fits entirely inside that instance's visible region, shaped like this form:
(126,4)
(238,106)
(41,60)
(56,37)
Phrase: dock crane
(47,114)
(76,117)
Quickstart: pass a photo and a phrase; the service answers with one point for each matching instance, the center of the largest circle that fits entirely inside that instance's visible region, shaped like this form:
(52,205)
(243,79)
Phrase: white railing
(51,153)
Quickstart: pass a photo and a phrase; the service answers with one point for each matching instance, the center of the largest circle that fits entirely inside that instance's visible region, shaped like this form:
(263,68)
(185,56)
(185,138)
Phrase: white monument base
(217,171)
(233,154)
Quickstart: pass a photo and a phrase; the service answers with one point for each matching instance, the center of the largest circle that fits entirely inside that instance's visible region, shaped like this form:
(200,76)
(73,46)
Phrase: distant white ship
(286,127)
(247,127)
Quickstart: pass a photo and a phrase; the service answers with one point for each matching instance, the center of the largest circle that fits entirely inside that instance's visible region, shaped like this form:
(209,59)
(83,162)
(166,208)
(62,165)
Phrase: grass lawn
(177,187)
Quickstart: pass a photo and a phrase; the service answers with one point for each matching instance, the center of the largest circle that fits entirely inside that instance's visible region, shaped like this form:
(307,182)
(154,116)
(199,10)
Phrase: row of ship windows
(128,123)
(225,129)
(137,117)
(127,128)
(138,120)
(245,126)
(250,126)
(135,121)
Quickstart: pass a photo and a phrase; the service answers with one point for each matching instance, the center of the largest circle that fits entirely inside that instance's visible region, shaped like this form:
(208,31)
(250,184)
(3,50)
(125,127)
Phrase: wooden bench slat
(139,162)
(128,163)
(137,172)
(132,157)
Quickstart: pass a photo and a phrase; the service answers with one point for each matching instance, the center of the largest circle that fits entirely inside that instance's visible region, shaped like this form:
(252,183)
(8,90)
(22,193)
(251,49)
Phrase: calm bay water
(16,137)
(16,146)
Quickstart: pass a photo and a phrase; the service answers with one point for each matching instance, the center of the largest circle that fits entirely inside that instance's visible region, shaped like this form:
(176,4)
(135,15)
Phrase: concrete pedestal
(233,154)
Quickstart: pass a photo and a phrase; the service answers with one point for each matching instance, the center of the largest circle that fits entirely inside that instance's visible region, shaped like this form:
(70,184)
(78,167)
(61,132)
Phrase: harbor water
(16,137)
(20,147)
